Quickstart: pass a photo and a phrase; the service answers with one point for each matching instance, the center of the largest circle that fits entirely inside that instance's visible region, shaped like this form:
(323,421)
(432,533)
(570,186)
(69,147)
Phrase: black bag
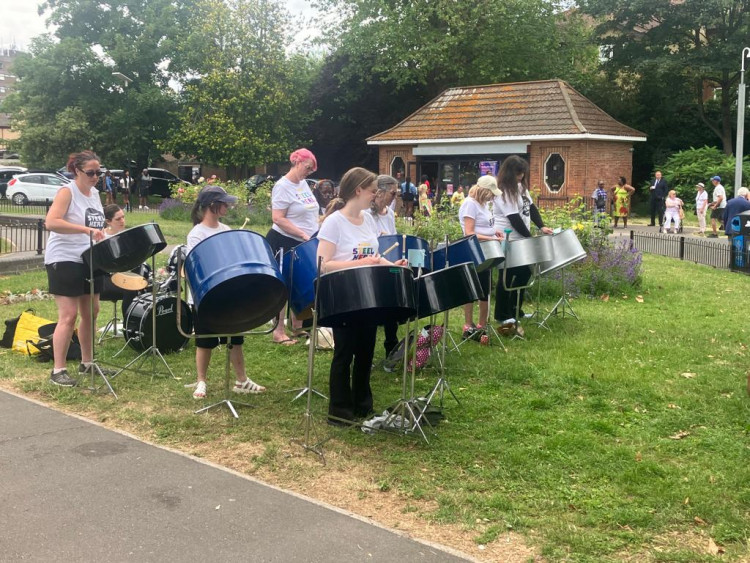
(10,330)
(44,345)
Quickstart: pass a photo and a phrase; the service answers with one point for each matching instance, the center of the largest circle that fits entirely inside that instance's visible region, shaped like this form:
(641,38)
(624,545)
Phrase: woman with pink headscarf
(294,212)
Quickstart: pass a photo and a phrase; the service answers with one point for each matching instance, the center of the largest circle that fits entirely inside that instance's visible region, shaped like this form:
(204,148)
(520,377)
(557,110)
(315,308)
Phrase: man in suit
(659,191)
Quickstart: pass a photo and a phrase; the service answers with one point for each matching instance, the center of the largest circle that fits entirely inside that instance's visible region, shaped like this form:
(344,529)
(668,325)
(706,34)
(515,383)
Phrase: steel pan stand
(542,323)
(490,327)
(111,325)
(442,383)
(153,350)
(227,384)
(408,420)
(313,341)
(563,302)
(227,370)
(94,368)
(310,441)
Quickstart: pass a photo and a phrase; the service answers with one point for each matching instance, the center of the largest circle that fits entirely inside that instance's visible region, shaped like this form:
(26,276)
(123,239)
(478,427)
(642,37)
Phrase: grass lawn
(620,437)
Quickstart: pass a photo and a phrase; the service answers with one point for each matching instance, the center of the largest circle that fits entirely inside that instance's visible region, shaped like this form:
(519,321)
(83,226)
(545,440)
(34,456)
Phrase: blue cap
(717,178)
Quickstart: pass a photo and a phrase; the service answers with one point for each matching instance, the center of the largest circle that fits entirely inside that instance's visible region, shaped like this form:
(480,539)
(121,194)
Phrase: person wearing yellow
(458,197)
(621,193)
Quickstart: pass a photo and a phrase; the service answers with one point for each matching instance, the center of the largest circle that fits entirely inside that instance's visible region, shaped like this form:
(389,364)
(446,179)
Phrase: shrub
(442,222)
(174,210)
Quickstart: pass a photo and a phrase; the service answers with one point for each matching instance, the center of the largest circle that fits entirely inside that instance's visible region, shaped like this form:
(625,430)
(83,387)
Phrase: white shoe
(145,207)
(140,207)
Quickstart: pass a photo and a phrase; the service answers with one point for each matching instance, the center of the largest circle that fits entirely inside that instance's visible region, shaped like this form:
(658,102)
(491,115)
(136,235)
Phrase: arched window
(397,165)
(554,172)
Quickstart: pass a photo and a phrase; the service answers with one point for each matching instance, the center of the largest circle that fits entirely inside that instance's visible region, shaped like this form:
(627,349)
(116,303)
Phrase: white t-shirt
(302,209)
(385,224)
(701,199)
(81,211)
(502,208)
(197,234)
(353,242)
(720,191)
(484,222)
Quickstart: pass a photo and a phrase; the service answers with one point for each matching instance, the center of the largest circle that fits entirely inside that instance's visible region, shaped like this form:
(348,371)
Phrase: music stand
(300,390)
(94,368)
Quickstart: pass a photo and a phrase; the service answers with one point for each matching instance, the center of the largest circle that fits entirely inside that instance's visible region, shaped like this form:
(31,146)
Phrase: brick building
(569,142)
(7,82)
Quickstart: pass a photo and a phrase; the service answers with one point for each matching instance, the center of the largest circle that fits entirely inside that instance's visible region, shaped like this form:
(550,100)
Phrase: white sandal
(200,390)
(248,386)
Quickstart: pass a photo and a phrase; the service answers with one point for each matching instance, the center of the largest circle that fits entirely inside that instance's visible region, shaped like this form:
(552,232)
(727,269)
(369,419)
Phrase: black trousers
(505,300)
(391,337)
(349,386)
(657,210)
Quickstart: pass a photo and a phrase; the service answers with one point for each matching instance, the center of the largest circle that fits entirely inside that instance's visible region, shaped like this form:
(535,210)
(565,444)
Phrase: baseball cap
(717,178)
(212,194)
(490,183)
(212,177)
(700,185)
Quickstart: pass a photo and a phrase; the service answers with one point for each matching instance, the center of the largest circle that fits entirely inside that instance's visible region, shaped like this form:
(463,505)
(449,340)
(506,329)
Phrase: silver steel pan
(566,250)
(493,254)
(528,251)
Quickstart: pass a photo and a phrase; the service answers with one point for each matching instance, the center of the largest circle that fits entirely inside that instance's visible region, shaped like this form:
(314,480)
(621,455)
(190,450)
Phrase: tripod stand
(93,369)
(562,303)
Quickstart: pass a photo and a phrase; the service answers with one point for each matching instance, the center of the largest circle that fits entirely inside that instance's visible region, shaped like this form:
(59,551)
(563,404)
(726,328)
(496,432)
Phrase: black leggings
(505,300)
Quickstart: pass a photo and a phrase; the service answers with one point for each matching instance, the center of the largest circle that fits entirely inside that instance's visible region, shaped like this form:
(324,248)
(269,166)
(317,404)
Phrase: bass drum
(138,323)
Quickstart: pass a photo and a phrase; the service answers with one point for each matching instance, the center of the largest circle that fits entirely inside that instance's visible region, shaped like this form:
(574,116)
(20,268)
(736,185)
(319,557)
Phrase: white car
(25,188)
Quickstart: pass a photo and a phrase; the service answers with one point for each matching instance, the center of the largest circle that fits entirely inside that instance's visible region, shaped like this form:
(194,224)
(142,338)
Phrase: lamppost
(740,123)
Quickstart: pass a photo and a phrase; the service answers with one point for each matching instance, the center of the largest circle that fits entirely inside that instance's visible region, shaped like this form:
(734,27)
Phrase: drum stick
(247,220)
(403,253)
(394,245)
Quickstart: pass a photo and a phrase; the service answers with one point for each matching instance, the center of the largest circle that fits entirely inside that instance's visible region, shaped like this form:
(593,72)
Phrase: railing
(38,208)
(714,253)
(550,202)
(22,235)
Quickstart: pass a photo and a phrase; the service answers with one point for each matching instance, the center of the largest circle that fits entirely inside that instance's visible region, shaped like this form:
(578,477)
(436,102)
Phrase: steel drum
(528,251)
(235,282)
(300,271)
(412,243)
(463,250)
(372,295)
(138,326)
(448,288)
(125,250)
(566,249)
(493,254)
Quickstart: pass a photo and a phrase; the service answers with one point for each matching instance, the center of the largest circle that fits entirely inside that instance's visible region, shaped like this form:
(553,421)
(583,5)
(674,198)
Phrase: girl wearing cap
(701,204)
(294,212)
(212,204)
(514,211)
(476,218)
(349,238)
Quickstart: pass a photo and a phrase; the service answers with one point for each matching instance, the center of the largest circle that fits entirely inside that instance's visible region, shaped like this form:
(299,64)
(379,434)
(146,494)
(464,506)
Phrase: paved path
(71,490)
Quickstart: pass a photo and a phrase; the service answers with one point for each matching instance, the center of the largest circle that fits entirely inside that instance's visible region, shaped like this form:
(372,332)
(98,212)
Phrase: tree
(74,69)
(244,99)
(683,45)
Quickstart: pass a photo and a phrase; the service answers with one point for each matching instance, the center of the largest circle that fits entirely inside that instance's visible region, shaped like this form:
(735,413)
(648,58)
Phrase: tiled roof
(520,110)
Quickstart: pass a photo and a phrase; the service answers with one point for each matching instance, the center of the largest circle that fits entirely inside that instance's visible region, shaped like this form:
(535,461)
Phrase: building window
(554,172)
(398,166)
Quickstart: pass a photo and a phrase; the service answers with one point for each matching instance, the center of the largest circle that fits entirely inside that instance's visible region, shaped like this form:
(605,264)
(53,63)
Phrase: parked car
(256,180)
(162,181)
(25,188)
(6,174)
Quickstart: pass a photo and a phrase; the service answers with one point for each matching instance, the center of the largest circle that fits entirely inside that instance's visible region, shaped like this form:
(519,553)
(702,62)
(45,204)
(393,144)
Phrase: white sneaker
(145,207)
(140,207)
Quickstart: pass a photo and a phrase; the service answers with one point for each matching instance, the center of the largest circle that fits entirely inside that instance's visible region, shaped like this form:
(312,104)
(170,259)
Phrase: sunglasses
(91,173)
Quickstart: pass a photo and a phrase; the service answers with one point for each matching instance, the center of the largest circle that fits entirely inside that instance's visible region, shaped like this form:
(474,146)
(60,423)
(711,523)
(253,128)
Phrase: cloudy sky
(19,21)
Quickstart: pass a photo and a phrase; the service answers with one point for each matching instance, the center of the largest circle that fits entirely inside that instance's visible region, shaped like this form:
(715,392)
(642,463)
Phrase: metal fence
(714,253)
(23,235)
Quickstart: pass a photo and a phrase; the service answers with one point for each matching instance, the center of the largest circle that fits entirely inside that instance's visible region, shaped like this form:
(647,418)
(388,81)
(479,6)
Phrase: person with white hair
(673,207)
(734,207)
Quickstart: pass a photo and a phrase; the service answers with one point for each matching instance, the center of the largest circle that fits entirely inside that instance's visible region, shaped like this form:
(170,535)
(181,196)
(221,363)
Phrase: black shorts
(211,342)
(277,240)
(70,279)
(143,192)
(407,198)
(717,214)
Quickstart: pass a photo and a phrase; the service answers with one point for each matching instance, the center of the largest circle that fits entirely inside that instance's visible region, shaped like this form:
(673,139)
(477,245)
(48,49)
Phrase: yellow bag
(28,329)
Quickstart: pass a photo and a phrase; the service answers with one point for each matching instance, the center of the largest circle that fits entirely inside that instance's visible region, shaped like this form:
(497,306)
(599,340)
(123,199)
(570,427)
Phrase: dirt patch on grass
(342,482)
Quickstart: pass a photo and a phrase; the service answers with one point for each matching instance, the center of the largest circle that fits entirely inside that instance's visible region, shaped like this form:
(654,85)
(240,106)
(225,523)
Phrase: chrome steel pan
(493,254)
(528,251)
(566,249)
